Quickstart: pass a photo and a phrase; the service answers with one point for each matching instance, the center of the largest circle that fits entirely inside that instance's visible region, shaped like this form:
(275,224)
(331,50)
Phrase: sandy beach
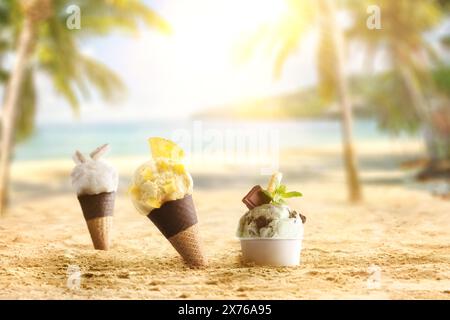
(400,229)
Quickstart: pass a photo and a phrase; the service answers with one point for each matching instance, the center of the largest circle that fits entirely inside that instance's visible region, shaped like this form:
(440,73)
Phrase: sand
(393,245)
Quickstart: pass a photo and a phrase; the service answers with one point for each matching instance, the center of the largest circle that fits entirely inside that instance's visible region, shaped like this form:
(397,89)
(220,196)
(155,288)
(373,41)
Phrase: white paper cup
(272,252)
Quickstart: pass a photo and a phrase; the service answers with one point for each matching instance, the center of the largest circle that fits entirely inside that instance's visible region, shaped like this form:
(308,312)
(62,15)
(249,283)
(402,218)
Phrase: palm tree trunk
(9,110)
(353,183)
(418,100)
(34,11)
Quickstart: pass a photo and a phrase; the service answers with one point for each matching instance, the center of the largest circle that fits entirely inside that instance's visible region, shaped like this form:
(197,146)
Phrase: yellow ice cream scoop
(163,178)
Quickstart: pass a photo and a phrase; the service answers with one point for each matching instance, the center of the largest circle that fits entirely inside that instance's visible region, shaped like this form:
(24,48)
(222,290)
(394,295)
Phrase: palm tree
(26,104)
(416,69)
(44,43)
(284,36)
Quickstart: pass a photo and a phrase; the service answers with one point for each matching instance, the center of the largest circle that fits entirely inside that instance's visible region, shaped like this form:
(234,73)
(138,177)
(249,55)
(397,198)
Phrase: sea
(58,141)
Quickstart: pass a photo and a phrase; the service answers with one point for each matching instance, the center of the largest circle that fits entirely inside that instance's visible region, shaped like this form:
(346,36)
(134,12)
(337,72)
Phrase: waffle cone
(98,213)
(188,245)
(177,221)
(100,230)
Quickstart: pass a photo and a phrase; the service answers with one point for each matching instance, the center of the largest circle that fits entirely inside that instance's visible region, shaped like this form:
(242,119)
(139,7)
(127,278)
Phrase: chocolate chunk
(302,217)
(255,198)
(262,222)
(294,215)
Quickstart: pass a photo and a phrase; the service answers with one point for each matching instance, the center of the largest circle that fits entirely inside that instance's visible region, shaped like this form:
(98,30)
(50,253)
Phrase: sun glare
(200,51)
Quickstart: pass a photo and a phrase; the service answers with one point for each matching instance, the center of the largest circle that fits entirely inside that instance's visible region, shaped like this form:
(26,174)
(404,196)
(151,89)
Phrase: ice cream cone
(100,229)
(98,212)
(177,221)
(188,245)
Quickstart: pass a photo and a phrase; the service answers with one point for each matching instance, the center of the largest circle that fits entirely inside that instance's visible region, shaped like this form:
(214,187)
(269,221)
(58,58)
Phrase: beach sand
(400,229)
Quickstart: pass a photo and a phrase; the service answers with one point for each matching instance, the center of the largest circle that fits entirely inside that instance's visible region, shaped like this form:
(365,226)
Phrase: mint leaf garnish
(279,195)
(292,194)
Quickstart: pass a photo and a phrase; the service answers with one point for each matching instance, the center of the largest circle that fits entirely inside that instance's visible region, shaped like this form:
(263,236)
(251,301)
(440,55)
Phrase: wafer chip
(163,148)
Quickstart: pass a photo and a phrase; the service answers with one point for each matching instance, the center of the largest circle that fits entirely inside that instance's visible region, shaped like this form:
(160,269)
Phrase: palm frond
(101,17)
(106,81)
(57,56)
(26,108)
(326,57)
(441,76)
(281,38)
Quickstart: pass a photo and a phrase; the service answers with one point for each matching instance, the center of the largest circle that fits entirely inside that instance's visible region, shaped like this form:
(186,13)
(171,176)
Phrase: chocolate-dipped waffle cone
(177,221)
(98,212)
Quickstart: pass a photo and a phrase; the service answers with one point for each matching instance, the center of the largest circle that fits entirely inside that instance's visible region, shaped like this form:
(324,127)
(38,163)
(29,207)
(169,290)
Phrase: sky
(191,70)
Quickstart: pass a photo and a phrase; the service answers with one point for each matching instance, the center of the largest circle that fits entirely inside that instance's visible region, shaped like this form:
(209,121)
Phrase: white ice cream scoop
(92,175)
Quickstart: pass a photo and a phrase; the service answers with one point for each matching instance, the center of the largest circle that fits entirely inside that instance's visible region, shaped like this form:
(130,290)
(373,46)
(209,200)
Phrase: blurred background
(349,99)
(345,77)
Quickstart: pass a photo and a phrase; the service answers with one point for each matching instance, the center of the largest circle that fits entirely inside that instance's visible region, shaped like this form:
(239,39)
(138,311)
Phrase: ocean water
(129,139)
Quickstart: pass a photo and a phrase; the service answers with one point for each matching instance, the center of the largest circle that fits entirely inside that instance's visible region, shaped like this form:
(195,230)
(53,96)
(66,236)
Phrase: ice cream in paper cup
(270,232)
